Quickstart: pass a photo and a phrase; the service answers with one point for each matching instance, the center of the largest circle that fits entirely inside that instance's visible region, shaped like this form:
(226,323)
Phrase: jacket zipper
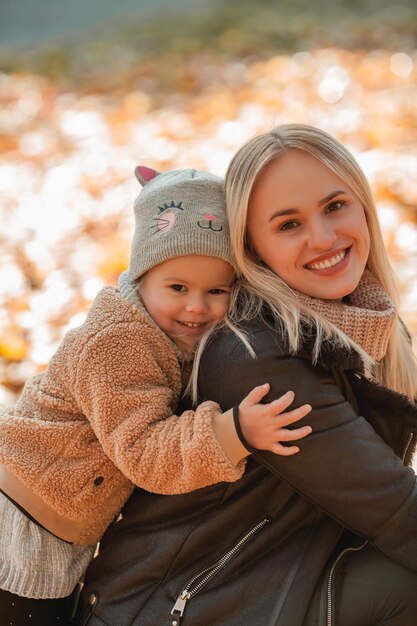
(330,579)
(407,445)
(203,578)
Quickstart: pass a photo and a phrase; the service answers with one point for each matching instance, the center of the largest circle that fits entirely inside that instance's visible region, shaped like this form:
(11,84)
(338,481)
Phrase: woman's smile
(329,265)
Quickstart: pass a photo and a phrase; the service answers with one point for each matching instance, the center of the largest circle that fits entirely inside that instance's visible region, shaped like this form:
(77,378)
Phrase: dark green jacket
(255,549)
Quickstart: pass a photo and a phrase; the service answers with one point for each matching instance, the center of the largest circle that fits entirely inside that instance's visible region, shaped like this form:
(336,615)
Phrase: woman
(328,536)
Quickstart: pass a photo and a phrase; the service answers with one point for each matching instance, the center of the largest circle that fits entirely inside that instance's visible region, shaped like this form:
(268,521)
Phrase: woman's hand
(263,425)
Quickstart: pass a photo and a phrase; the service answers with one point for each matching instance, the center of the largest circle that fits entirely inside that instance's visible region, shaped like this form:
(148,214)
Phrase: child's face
(187,295)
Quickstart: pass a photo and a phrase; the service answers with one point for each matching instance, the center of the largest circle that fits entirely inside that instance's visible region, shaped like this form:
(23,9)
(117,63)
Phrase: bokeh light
(73,129)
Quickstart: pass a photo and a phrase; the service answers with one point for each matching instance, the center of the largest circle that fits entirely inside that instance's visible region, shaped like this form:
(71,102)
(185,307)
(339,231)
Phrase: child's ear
(145,174)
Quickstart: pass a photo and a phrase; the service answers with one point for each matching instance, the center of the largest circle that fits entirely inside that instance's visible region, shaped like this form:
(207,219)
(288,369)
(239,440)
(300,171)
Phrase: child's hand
(263,424)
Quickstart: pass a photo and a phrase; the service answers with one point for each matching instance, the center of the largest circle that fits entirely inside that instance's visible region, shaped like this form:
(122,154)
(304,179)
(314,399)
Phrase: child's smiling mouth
(192,324)
(192,328)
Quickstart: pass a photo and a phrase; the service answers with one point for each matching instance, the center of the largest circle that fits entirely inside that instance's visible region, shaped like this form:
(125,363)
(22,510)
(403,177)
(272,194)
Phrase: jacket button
(98,480)
(92,600)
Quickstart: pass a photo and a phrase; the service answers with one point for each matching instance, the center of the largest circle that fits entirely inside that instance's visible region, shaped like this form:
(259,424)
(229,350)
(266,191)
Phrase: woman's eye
(177,287)
(335,206)
(288,225)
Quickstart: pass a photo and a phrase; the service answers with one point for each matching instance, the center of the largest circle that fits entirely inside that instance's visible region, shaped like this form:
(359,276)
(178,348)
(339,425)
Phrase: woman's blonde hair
(398,369)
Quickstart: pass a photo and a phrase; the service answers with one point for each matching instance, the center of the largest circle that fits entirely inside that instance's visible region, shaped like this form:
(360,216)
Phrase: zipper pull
(179,607)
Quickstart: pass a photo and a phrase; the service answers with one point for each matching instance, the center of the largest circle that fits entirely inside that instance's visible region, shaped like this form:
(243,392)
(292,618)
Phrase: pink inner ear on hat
(147,173)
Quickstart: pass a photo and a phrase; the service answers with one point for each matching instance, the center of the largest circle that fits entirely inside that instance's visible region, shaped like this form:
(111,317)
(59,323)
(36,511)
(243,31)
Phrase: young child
(100,419)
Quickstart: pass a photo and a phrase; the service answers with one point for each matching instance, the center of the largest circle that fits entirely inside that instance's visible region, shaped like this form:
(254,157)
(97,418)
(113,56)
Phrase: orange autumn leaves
(67,157)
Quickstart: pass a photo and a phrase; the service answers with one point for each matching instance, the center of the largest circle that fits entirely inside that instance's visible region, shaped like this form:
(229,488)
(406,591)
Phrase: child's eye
(216,292)
(177,287)
(335,206)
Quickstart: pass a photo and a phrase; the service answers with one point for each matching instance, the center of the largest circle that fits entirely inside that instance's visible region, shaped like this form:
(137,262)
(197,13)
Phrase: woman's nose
(321,236)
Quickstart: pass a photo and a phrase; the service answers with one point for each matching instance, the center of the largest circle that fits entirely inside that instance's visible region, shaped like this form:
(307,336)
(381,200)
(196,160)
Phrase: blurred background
(90,88)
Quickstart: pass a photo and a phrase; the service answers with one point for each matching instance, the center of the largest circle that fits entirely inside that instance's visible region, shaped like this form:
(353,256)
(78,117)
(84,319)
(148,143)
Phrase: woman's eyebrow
(283,212)
(293,211)
(330,196)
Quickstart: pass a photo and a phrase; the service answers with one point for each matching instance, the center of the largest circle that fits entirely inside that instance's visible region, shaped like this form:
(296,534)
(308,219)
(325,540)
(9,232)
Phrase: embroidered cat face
(178,213)
(166,219)
(166,213)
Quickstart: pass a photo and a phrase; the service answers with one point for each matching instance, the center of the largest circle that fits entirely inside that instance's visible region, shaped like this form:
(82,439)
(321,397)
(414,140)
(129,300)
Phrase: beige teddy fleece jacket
(100,420)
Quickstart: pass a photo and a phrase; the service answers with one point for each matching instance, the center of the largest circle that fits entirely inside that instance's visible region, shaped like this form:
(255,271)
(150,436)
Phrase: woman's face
(307,225)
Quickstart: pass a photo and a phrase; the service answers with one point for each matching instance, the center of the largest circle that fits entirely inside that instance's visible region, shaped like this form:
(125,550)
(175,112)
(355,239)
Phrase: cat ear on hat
(145,174)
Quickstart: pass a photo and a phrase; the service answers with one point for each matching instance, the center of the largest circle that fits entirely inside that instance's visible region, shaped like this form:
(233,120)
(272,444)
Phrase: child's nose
(196,304)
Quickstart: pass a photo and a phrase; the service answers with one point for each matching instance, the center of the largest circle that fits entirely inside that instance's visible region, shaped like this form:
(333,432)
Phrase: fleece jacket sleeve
(343,467)
(124,388)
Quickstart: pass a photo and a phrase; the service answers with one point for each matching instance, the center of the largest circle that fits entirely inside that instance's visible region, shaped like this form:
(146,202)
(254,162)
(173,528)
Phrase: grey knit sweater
(34,563)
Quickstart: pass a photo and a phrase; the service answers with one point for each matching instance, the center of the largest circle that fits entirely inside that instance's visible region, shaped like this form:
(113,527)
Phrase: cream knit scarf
(367,317)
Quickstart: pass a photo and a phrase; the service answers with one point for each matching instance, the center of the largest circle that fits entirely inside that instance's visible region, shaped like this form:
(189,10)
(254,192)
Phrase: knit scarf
(366,317)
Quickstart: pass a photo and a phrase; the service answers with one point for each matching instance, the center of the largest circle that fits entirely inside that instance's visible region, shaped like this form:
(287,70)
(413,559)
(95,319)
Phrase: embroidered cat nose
(207,216)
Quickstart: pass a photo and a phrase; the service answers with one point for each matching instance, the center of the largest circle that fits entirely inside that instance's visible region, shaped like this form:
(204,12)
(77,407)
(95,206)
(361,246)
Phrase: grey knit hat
(178,213)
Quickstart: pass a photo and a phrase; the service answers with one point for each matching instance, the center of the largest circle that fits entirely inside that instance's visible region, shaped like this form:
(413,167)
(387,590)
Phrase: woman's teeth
(324,265)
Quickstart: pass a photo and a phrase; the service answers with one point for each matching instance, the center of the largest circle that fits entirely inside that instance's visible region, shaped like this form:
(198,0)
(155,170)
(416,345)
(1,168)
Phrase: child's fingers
(284,450)
(255,396)
(284,419)
(284,434)
(282,403)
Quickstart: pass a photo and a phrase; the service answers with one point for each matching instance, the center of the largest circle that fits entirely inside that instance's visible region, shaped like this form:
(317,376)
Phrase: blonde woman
(328,536)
